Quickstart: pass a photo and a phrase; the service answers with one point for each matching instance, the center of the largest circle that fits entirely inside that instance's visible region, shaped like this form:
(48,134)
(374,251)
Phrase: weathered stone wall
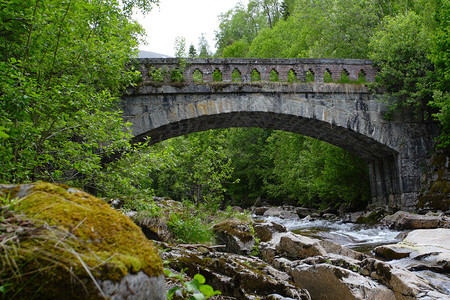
(345,115)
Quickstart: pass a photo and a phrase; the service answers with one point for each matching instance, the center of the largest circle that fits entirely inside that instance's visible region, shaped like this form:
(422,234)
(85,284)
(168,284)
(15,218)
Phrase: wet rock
(334,248)
(371,217)
(405,284)
(303,212)
(427,248)
(390,252)
(324,281)
(352,217)
(259,211)
(291,245)
(295,246)
(265,230)
(402,220)
(236,235)
(285,212)
(329,216)
(234,275)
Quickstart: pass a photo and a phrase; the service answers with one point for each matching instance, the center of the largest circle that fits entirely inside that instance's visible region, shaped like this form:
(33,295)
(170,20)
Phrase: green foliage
(255,76)
(237,49)
(243,24)
(176,75)
(62,65)
(190,228)
(236,75)
(309,76)
(441,101)
(327,77)
(157,74)
(196,289)
(197,76)
(273,76)
(401,48)
(292,77)
(440,57)
(192,51)
(217,76)
(314,173)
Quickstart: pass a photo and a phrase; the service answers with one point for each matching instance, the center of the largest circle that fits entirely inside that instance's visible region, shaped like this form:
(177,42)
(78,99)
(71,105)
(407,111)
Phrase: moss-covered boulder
(62,243)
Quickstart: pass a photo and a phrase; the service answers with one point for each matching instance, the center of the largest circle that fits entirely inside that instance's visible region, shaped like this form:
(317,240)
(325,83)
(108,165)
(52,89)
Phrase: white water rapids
(355,236)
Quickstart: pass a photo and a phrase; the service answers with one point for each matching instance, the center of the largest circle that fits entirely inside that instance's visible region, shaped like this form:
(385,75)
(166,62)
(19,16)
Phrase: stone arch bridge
(321,98)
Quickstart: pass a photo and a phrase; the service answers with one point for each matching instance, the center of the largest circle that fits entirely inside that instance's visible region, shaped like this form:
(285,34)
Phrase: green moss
(239,229)
(372,218)
(75,226)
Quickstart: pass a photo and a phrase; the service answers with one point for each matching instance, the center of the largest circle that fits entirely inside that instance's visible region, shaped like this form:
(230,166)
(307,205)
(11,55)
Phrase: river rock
(259,211)
(73,238)
(427,249)
(264,230)
(402,220)
(292,246)
(329,216)
(236,235)
(405,284)
(296,246)
(303,212)
(237,276)
(285,212)
(328,282)
(334,248)
(390,252)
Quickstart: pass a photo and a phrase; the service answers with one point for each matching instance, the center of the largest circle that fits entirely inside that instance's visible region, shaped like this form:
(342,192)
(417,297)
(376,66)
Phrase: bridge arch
(345,115)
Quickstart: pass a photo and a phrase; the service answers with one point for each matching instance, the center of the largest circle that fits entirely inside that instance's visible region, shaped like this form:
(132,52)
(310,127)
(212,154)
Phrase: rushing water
(362,238)
(359,237)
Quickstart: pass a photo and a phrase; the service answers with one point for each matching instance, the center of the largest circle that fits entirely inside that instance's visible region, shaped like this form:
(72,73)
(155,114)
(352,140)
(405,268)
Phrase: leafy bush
(190,228)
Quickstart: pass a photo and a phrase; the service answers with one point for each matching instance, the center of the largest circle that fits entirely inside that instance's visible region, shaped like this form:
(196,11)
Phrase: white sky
(186,18)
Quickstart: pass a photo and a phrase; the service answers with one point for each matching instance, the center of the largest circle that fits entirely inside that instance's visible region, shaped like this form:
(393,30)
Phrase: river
(358,237)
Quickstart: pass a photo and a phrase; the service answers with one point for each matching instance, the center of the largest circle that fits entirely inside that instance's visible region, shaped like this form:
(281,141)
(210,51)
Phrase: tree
(62,65)
(441,59)
(240,23)
(203,46)
(401,46)
(192,51)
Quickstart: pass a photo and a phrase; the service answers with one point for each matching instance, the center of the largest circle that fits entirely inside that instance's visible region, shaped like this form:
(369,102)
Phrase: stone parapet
(339,69)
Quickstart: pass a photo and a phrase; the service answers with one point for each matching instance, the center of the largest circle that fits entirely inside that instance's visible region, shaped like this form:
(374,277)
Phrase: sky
(185,18)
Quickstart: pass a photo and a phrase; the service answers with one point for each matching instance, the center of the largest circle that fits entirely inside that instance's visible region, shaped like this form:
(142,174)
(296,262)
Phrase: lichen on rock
(77,243)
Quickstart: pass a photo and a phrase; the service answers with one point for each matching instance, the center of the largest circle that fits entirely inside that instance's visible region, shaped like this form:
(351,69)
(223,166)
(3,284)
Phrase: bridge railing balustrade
(161,70)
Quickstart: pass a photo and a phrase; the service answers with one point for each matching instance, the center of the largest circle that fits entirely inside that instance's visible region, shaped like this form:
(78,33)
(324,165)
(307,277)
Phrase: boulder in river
(405,284)
(402,220)
(284,212)
(427,249)
(265,230)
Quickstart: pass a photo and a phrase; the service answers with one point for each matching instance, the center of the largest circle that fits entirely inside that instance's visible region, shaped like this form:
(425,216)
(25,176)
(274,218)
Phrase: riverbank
(286,245)
(268,253)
